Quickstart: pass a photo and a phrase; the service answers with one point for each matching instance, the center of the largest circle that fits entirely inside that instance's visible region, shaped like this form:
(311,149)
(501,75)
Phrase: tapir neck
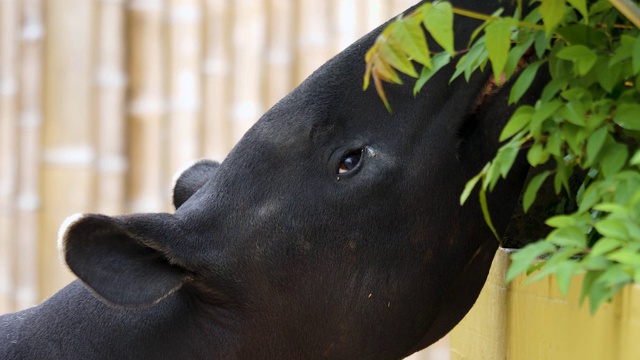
(73,324)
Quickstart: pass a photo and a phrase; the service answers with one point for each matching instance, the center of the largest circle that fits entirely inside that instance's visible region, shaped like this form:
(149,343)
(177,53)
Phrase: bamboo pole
(249,29)
(217,79)
(398,6)
(345,22)
(147,107)
(68,153)
(279,80)
(313,41)
(373,13)
(184,58)
(28,202)
(8,132)
(111,83)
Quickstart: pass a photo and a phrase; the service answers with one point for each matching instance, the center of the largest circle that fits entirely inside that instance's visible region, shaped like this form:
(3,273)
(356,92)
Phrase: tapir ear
(192,179)
(124,260)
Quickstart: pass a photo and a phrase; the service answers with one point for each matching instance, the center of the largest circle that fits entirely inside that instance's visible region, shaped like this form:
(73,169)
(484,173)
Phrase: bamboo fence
(99,106)
(29,136)
(9,49)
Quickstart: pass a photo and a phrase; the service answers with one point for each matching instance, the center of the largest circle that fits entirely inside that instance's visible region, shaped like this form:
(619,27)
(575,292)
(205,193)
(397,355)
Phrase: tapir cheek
(298,248)
(268,210)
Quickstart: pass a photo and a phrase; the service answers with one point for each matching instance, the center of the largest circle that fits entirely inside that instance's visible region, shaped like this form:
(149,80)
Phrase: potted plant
(584,126)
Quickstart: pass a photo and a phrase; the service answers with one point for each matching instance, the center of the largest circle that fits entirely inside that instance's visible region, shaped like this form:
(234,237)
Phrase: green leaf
(604,245)
(636,275)
(537,155)
(580,34)
(554,262)
(522,259)
(633,228)
(573,136)
(485,212)
(590,197)
(581,6)
(561,179)
(524,81)
(576,93)
(438,61)
(612,228)
(624,256)
(614,158)
(438,20)
(498,43)
(520,118)
(368,72)
(541,43)
(391,54)
(635,160)
(573,112)
(609,282)
(553,87)
(509,154)
(598,262)
(588,280)
(608,76)
(582,57)
(477,62)
(409,38)
(554,143)
(468,62)
(470,185)
(559,68)
(564,274)
(628,116)
(493,173)
(613,276)
(552,13)
(515,55)
(482,26)
(600,6)
(597,295)
(542,112)
(533,16)
(569,236)
(624,51)
(595,143)
(561,221)
(613,208)
(635,56)
(383,71)
(532,189)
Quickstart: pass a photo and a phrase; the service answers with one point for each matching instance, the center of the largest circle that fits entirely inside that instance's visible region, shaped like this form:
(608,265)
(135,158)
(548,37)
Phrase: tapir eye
(350,161)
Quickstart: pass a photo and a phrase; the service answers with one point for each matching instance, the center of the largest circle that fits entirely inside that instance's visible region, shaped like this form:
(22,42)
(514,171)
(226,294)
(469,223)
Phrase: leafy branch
(403,42)
(587,120)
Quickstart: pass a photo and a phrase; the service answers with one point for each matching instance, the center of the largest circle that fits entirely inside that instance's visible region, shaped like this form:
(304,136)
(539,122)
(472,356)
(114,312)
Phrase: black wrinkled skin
(272,255)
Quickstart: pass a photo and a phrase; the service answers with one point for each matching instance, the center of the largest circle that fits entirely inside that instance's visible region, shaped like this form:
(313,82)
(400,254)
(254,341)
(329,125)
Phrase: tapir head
(333,228)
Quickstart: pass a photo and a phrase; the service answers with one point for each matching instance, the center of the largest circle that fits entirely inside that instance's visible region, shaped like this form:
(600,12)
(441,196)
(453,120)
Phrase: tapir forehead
(330,95)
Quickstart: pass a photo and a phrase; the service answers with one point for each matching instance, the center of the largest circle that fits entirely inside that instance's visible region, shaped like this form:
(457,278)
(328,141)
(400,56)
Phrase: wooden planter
(534,321)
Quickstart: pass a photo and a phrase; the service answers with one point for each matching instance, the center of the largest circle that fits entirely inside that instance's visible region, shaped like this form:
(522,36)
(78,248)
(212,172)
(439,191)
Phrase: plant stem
(480,16)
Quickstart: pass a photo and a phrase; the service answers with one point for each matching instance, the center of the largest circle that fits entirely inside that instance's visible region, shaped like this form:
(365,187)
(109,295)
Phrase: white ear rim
(62,234)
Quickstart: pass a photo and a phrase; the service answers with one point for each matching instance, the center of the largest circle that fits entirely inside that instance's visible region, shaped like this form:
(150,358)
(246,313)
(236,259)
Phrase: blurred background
(103,101)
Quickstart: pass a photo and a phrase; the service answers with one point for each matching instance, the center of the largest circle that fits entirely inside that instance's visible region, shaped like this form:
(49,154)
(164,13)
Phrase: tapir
(332,230)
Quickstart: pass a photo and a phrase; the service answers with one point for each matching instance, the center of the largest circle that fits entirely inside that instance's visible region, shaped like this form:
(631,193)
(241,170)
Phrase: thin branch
(480,16)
